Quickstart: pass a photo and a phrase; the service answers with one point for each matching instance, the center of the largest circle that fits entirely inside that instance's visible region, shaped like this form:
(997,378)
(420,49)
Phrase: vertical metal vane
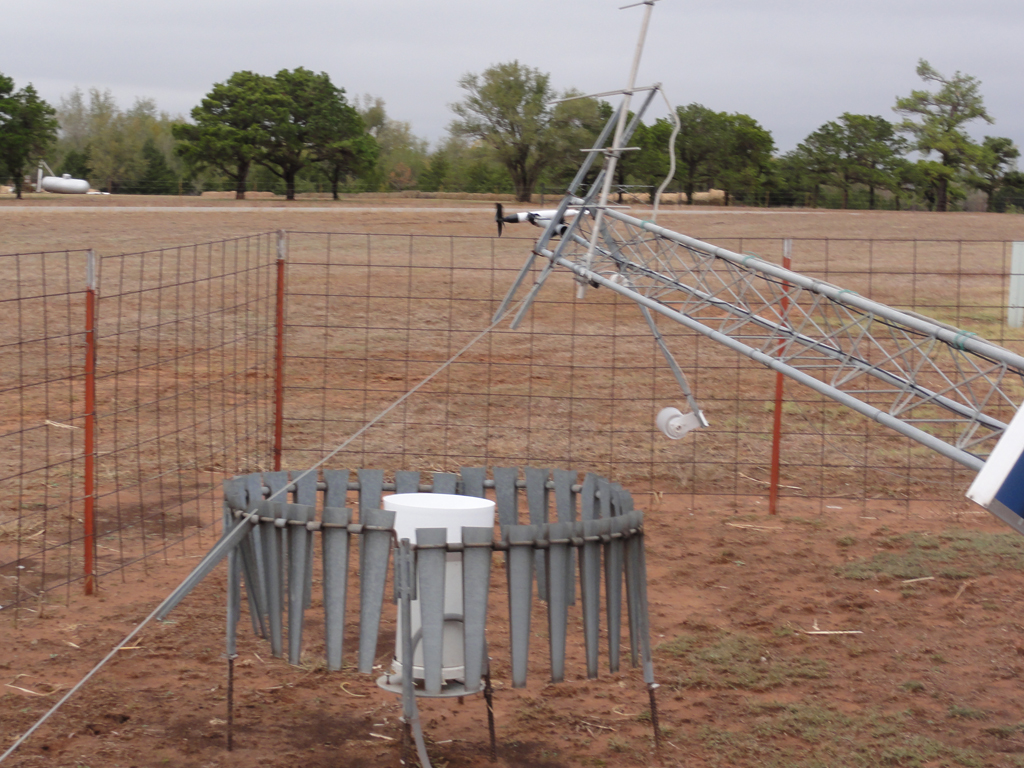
(506,494)
(336,488)
(407,481)
(298,553)
(565,511)
(537,499)
(520,539)
(445,482)
(476,584)
(559,542)
(272,553)
(377,526)
(473,479)
(335,545)
(590,589)
(430,566)
(272,536)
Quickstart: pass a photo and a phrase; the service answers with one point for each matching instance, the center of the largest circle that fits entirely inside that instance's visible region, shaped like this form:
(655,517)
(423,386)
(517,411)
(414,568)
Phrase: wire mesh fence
(43,300)
(184,388)
(182,391)
(582,380)
(188,385)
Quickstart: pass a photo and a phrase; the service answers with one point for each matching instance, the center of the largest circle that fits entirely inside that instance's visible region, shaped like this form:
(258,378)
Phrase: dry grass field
(931,592)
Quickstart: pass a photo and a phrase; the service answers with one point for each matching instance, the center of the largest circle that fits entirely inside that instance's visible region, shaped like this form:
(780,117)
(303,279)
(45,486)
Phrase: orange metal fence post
(89,521)
(773,488)
(282,255)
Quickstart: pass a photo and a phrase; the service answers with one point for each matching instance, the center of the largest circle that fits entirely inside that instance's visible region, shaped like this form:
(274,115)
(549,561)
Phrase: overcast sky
(790,64)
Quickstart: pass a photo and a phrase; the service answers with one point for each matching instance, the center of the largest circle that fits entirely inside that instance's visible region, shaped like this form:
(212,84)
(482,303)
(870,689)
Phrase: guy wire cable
(397,402)
(24,737)
(671,154)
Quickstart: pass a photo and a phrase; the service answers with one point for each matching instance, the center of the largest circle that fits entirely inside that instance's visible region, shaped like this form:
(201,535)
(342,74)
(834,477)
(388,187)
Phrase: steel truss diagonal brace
(943,387)
(882,417)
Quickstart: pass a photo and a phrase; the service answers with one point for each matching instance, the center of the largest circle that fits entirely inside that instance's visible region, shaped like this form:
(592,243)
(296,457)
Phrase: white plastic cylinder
(439,510)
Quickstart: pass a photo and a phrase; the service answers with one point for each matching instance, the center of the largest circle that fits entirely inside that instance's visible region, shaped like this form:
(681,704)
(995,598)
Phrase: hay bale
(221,195)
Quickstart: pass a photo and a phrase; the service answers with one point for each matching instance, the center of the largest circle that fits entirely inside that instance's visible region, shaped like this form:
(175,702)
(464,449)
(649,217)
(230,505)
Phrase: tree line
(512,133)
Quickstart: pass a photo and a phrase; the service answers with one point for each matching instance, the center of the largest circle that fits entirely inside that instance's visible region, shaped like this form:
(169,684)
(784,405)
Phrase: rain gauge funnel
(437,511)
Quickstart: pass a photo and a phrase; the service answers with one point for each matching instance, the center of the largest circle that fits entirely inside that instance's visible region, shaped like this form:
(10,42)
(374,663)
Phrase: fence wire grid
(190,390)
(183,391)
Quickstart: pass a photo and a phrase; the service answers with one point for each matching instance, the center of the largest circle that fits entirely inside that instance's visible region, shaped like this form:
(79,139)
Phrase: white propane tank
(65,185)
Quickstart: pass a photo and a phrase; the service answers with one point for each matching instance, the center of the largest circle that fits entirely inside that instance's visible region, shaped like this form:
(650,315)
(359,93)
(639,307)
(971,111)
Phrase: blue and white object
(537,218)
(999,486)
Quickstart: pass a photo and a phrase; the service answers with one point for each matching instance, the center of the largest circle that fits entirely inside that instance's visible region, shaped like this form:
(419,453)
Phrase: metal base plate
(450,690)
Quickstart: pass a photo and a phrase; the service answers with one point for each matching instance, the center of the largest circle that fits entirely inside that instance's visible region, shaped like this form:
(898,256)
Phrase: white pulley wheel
(674,423)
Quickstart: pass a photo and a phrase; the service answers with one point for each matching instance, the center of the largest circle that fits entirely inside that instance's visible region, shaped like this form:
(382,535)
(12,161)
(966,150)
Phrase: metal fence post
(282,258)
(773,489)
(89,516)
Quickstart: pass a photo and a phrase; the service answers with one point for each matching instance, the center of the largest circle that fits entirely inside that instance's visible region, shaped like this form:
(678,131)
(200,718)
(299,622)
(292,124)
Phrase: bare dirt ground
(929,674)
(134,223)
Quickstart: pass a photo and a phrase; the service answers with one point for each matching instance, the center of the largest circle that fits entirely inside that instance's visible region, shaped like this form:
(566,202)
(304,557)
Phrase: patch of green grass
(846,541)
(804,721)
(678,647)
(737,661)
(913,686)
(813,735)
(952,554)
(885,565)
(1004,731)
(967,713)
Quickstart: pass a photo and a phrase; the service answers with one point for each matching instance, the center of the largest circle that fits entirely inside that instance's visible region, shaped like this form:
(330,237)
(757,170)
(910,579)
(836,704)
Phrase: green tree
(994,159)
(76,164)
(397,144)
(874,151)
(114,139)
(1010,195)
(700,146)
(351,151)
(27,127)
(789,182)
(928,179)
(157,176)
(75,122)
(508,109)
(436,173)
(116,150)
(309,116)
(855,149)
(229,128)
(747,153)
(936,122)
(817,158)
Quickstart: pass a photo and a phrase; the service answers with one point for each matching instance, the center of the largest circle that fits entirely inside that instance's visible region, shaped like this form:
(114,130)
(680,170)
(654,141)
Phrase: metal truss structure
(944,387)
